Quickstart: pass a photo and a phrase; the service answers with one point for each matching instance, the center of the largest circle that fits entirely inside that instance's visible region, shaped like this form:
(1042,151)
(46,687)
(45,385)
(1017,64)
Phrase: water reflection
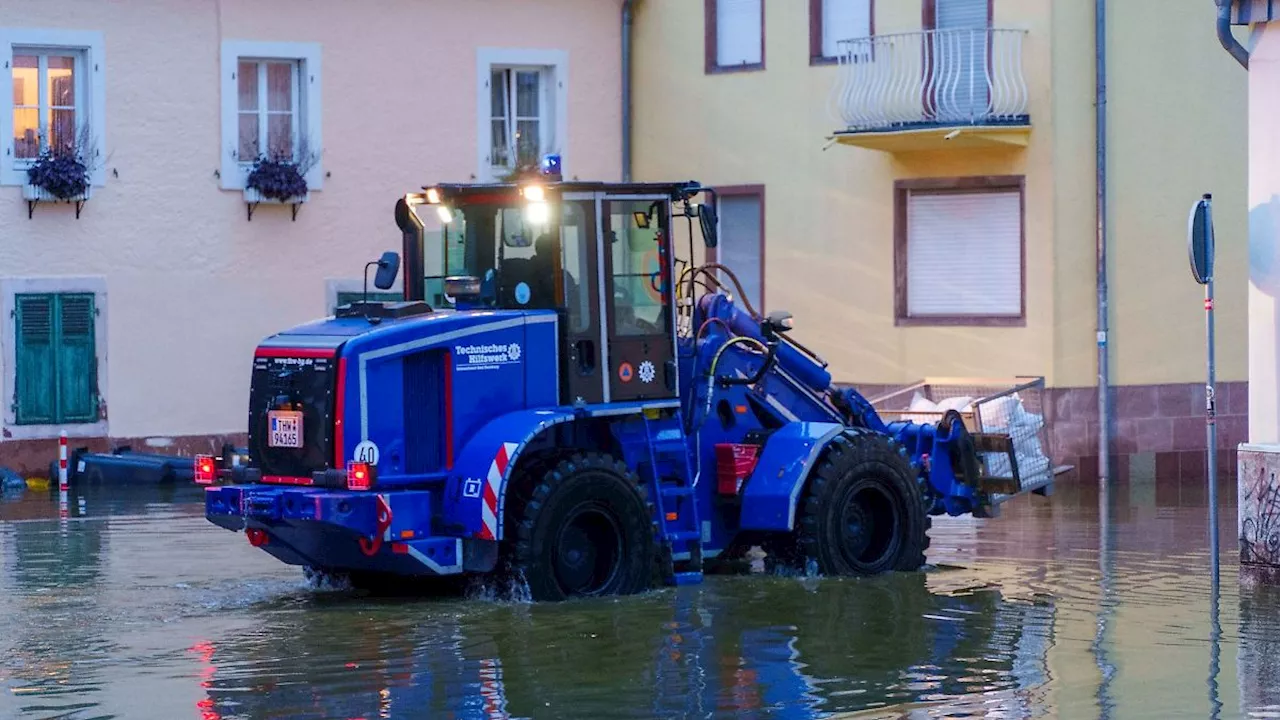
(1091,605)
(740,648)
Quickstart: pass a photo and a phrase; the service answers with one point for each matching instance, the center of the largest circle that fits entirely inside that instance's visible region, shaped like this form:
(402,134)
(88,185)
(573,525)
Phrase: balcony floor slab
(935,137)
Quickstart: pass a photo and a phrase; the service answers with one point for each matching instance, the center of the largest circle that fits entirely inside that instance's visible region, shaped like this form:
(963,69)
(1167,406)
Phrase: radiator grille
(424,411)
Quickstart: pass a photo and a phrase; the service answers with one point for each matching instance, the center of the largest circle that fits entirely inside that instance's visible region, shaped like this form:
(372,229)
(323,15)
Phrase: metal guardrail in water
(931,78)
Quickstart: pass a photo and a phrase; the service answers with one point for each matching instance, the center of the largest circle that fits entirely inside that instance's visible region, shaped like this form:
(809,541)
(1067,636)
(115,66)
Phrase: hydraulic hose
(715,362)
(693,272)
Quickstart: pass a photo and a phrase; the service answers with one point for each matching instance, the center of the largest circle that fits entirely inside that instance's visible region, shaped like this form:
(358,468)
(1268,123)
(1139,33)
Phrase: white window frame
(10,287)
(307,105)
(554,127)
(87,47)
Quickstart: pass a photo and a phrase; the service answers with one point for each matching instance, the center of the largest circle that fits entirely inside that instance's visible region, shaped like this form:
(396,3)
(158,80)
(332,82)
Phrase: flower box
(252,195)
(38,194)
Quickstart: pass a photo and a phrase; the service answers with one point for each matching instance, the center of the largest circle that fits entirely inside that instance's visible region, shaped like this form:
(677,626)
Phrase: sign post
(1200,248)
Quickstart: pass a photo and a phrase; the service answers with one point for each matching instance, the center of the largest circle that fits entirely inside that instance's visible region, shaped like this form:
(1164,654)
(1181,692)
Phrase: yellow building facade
(915,180)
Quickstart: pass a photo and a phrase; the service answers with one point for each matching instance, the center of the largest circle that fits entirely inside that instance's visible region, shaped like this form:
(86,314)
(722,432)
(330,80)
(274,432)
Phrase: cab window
(635,230)
(577,234)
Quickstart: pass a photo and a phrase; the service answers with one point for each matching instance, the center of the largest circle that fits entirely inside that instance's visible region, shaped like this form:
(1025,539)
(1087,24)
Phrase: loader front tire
(585,531)
(863,513)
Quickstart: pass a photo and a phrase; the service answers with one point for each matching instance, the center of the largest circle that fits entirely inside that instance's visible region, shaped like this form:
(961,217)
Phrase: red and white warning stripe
(493,484)
(492,690)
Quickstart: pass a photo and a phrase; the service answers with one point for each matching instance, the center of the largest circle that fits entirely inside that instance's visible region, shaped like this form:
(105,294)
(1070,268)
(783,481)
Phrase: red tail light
(206,471)
(359,476)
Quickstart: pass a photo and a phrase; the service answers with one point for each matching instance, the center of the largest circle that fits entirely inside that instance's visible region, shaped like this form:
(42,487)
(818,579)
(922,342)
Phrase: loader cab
(599,255)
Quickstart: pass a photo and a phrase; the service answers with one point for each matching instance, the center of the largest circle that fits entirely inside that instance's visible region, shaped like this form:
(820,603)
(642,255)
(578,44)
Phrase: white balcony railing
(931,78)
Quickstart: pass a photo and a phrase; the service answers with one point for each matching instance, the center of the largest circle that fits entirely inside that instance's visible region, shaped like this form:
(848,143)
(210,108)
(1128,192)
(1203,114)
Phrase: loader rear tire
(585,531)
(863,512)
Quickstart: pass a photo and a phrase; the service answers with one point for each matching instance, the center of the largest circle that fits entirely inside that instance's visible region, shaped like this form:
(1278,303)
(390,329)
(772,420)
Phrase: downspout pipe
(627,16)
(1228,40)
(1100,140)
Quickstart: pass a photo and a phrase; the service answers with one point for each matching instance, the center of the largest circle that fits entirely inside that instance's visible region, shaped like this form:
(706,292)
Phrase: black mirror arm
(368,265)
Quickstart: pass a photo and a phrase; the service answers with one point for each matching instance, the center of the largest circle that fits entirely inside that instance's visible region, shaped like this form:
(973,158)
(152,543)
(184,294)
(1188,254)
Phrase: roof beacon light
(551,166)
(433,196)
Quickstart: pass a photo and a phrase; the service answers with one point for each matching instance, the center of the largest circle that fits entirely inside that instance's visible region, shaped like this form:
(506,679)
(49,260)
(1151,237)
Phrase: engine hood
(332,333)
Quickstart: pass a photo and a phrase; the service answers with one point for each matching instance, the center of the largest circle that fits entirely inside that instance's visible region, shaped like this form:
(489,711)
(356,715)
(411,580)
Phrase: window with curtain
(268,109)
(47,100)
(518,116)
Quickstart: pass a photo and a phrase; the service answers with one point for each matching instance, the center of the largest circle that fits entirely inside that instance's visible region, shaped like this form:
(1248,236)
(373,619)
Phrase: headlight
(537,213)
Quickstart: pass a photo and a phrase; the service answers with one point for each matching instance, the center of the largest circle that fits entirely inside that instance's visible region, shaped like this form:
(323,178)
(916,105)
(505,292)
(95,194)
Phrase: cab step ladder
(673,498)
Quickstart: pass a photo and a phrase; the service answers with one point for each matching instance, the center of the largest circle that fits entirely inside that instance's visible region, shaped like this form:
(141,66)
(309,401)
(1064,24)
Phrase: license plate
(285,429)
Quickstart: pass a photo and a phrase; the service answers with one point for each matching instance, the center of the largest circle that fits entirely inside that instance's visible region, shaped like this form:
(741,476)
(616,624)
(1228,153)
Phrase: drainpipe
(627,6)
(1104,374)
(1229,42)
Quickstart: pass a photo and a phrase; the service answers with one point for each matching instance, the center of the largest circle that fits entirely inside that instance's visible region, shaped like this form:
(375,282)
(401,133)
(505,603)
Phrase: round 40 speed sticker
(366,452)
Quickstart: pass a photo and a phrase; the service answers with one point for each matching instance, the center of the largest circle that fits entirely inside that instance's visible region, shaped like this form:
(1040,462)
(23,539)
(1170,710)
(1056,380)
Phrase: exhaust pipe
(413,233)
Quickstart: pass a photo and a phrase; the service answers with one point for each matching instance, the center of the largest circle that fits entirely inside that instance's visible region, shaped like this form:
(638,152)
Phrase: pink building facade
(130,314)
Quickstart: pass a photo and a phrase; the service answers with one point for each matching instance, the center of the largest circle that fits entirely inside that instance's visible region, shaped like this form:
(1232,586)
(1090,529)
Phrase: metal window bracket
(31,207)
(293,210)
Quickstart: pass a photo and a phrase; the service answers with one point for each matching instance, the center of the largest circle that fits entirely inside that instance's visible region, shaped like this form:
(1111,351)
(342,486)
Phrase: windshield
(478,240)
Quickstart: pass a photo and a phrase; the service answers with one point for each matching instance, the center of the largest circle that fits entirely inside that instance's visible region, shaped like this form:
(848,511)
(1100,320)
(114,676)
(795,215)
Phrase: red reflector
(359,476)
(206,472)
(257,537)
(400,548)
(734,462)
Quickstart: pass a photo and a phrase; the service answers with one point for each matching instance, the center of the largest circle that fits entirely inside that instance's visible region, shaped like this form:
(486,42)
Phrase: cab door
(639,297)
(582,342)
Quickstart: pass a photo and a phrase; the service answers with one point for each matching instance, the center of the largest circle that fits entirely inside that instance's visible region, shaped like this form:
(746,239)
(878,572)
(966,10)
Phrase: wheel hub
(587,552)
(870,520)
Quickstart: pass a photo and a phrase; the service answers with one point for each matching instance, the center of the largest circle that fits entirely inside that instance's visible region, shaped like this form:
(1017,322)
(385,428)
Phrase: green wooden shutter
(77,359)
(35,396)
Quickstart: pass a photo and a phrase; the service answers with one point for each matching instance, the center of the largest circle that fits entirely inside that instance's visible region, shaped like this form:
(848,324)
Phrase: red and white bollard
(62,469)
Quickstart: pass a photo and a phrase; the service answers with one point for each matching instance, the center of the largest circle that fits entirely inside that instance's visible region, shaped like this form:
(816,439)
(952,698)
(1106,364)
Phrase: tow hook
(370,547)
(257,537)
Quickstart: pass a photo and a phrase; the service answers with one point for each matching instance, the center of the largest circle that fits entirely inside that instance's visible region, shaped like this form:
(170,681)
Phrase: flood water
(1072,606)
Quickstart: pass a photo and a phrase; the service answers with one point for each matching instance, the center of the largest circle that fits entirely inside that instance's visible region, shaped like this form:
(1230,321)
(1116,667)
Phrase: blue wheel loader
(562,399)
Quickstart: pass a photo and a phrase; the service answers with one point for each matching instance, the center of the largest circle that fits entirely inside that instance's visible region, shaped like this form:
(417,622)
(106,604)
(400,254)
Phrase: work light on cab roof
(566,396)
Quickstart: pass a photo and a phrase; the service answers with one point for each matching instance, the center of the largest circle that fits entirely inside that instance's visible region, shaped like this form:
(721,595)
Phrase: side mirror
(1200,240)
(707,219)
(388,268)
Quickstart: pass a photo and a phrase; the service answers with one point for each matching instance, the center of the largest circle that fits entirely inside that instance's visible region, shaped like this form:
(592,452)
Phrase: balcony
(932,89)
